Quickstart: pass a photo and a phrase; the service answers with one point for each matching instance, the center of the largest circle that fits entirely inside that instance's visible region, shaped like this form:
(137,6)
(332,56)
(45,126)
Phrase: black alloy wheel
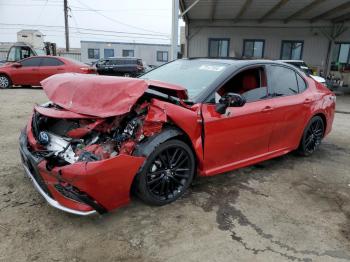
(167,173)
(312,136)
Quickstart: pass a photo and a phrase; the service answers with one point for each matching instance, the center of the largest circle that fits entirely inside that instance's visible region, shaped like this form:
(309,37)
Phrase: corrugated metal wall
(314,50)
(3,55)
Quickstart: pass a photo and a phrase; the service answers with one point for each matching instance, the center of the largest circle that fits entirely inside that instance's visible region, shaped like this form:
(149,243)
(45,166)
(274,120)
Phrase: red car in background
(31,71)
(102,137)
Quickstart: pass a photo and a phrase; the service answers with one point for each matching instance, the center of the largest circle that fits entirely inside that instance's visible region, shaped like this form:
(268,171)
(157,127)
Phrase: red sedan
(31,71)
(101,138)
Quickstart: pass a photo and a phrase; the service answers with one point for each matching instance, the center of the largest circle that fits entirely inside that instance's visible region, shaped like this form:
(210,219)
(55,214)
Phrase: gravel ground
(286,209)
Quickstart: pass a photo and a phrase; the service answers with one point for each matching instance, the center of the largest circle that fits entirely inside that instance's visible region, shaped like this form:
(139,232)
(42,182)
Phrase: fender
(146,148)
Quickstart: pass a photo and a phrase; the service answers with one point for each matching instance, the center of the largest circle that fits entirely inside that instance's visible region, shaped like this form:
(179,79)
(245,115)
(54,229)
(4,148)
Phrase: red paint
(56,113)
(33,75)
(100,96)
(85,129)
(107,181)
(242,136)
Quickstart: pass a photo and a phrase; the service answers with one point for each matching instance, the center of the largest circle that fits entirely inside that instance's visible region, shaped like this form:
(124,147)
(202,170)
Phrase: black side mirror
(230,99)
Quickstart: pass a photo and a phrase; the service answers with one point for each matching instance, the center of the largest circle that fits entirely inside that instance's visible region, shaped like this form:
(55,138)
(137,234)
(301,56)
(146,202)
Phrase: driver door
(28,73)
(241,134)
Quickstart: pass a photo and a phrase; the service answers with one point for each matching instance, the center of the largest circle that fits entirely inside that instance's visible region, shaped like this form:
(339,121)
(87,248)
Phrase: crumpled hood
(102,96)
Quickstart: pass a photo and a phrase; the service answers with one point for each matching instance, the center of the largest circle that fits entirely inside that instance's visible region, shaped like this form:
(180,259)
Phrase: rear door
(291,107)
(50,66)
(28,73)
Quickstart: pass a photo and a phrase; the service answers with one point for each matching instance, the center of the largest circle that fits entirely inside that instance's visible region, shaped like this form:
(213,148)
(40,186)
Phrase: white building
(151,54)
(316,31)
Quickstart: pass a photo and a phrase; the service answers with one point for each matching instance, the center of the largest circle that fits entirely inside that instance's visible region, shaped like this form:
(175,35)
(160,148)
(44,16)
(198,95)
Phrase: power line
(95,34)
(85,29)
(115,20)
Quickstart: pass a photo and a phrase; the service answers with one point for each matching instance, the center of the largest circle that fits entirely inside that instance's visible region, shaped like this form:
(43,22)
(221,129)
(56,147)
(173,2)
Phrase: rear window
(50,61)
(283,81)
(301,84)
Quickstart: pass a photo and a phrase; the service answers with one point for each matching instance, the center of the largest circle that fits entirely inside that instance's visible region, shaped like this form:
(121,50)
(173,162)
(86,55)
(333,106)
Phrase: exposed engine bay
(63,141)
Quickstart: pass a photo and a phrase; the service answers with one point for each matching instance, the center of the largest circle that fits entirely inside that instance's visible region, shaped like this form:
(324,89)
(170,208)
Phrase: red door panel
(241,134)
(291,108)
(290,117)
(51,66)
(28,73)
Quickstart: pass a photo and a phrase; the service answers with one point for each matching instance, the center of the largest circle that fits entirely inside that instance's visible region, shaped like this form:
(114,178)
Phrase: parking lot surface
(286,209)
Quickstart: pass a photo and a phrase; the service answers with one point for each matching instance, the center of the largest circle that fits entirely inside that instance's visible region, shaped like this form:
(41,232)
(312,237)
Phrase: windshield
(194,75)
(40,51)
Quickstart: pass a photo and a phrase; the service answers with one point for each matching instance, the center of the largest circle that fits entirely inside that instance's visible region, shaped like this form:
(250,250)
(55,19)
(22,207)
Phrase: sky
(140,21)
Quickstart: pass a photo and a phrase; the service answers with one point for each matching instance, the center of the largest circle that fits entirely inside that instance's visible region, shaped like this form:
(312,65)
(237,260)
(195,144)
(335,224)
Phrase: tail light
(88,70)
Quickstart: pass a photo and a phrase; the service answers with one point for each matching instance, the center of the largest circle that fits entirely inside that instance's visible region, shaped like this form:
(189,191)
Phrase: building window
(109,52)
(219,47)
(162,56)
(292,50)
(253,48)
(128,53)
(341,57)
(93,53)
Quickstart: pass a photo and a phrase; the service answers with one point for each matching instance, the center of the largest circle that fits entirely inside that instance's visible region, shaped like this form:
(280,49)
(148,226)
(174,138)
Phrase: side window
(301,83)
(219,47)
(33,61)
(93,53)
(250,83)
(50,61)
(283,81)
(253,48)
(162,56)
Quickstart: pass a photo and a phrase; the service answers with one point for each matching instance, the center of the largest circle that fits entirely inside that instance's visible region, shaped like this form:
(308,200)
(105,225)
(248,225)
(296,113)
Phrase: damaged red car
(100,138)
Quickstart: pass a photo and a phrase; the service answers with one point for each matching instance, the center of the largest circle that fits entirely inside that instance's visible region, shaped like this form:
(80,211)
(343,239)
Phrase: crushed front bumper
(82,188)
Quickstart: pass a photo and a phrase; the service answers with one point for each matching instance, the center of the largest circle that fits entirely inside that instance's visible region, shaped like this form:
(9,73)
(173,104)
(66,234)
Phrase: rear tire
(166,174)
(5,82)
(312,136)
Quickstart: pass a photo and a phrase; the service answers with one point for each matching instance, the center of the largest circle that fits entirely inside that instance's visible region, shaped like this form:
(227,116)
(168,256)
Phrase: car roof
(238,62)
(292,61)
(235,65)
(126,58)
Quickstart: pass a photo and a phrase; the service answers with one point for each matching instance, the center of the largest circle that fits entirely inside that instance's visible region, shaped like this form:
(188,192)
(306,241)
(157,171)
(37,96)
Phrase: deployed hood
(102,96)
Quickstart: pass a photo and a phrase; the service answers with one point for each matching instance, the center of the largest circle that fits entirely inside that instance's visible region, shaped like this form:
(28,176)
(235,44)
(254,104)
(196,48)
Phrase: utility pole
(65,6)
(174,29)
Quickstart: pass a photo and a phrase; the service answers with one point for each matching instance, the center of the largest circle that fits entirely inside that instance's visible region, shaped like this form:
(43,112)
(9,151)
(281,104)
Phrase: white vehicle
(303,66)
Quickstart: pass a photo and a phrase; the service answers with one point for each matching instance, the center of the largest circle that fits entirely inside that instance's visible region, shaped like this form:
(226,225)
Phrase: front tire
(166,174)
(312,136)
(5,82)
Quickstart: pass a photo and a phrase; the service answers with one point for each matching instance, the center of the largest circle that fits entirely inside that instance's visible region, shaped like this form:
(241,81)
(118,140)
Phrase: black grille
(67,193)
(29,160)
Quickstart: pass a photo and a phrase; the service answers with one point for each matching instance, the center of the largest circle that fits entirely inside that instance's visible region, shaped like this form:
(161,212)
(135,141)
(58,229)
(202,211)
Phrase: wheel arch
(169,132)
(6,74)
(144,149)
(324,119)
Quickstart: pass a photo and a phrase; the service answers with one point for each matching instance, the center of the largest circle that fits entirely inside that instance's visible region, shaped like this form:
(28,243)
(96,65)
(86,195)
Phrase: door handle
(266,109)
(307,101)
(60,69)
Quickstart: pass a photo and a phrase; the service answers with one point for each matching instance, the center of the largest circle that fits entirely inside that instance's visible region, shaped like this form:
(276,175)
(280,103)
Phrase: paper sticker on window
(211,68)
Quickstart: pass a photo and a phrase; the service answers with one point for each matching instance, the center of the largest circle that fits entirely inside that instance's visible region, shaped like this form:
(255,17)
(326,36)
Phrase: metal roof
(268,10)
